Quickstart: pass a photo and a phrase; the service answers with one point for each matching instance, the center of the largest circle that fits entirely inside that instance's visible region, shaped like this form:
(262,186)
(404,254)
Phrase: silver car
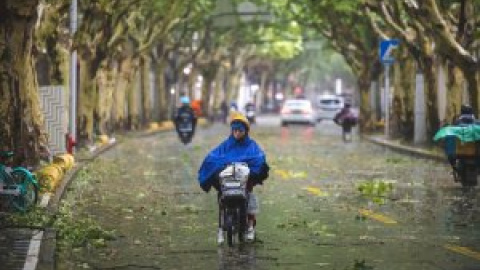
(328,106)
(297,111)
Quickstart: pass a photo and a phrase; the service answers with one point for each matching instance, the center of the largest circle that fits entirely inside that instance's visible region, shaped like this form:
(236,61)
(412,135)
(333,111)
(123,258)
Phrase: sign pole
(387,100)
(385,50)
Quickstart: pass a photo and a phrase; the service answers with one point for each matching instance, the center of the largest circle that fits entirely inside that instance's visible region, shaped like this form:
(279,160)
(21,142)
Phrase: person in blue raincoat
(238,147)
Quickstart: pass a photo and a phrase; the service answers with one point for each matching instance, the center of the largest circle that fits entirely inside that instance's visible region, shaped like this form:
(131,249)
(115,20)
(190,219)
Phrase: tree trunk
(163,95)
(106,86)
(87,100)
(23,126)
(217,91)
(123,76)
(263,86)
(133,99)
(472,76)
(431,103)
(455,86)
(146,99)
(233,85)
(182,82)
(206,97)
(192,78)
(403,99)
(208,78)
(366,119)
(408,100)
(397,105)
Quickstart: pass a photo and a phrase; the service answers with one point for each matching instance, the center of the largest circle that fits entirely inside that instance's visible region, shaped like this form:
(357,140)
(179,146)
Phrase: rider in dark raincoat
(238,147)
(185,115)
(347,120)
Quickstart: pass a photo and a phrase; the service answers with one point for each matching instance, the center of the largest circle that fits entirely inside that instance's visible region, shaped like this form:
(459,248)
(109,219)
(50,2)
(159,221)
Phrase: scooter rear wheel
(468,176)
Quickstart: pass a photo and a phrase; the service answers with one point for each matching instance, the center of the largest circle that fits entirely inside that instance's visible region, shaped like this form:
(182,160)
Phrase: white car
(328,106)
(297,111)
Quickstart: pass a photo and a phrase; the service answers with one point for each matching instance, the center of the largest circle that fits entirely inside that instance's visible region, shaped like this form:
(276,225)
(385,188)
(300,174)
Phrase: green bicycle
(18,186)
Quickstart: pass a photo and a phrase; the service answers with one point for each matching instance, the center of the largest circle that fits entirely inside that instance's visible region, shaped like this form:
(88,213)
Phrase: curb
(404,149)
(47,248)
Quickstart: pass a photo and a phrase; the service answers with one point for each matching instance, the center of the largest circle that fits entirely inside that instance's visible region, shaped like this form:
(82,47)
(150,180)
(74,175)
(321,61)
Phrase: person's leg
(251,213)
(344,133)
(220,210)
(252,220)
(347,131)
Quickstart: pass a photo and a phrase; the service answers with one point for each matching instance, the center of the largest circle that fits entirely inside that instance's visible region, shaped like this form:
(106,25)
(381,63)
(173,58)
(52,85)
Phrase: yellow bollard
(167,125)
(103,139)
(71,160)
(66,161)
(202,121)
(49,176)
(153,126)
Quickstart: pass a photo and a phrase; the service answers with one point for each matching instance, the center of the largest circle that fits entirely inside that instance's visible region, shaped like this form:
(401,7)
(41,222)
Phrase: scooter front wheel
(229,225)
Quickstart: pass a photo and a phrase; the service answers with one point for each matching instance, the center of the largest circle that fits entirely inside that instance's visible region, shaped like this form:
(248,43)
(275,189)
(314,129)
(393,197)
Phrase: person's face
(238,134)
(238,131)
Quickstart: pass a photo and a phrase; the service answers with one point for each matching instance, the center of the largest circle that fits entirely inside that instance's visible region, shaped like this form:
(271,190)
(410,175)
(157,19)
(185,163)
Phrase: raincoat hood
(230,150)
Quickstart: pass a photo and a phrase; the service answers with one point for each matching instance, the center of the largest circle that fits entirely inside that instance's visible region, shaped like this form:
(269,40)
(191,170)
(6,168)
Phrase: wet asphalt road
(312,214)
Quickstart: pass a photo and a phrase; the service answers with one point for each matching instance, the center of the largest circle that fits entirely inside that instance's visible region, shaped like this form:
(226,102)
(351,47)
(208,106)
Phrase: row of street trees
(434,35)
(124,45)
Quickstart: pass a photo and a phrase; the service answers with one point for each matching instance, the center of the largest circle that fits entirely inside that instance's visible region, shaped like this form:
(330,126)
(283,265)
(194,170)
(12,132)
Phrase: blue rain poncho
(231,150)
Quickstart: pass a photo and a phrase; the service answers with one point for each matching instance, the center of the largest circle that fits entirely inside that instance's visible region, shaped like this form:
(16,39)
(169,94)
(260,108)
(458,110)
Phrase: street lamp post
(73,77)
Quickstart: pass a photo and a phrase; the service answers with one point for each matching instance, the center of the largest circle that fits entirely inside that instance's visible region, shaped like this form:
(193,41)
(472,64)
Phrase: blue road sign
(386,47)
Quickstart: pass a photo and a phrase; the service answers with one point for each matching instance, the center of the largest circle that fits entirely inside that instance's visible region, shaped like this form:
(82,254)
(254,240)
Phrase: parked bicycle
(18,186)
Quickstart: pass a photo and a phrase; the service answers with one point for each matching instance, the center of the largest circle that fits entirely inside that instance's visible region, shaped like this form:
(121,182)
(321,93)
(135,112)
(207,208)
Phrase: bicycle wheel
(28,191)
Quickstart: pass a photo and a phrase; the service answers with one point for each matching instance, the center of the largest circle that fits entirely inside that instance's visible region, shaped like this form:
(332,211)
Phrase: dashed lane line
(316,191)
(464,251)
(377,217)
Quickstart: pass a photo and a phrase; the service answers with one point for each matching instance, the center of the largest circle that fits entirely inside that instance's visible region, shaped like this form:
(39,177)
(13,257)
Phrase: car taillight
(285,111)
(307,111)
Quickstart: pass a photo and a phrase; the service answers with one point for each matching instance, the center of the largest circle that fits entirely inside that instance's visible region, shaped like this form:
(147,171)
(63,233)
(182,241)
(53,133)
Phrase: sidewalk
(34,248)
